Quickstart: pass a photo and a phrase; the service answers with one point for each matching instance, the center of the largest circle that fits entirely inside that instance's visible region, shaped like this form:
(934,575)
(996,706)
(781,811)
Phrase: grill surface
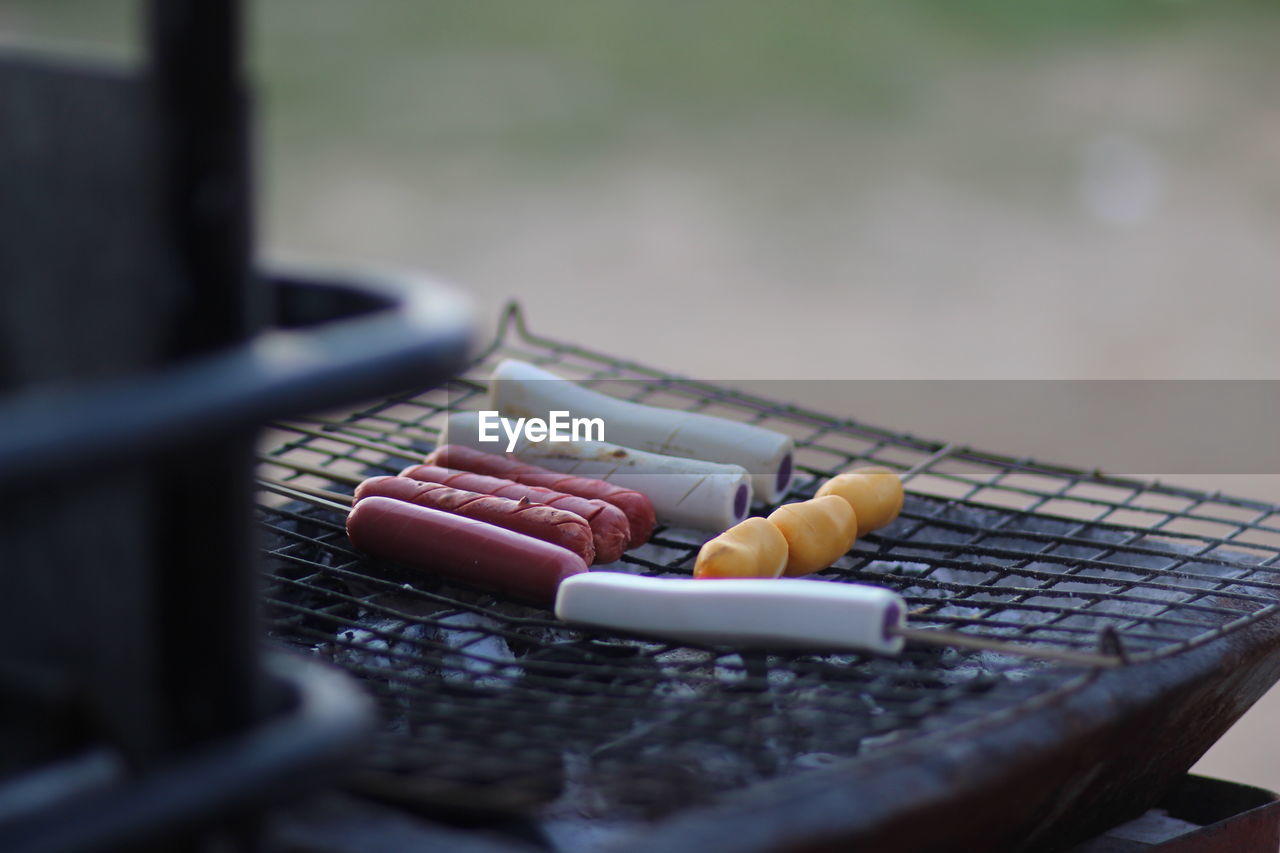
(493,706)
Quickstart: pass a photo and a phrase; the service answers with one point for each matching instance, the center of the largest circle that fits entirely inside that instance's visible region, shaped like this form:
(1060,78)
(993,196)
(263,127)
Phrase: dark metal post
(209,668)
(203,116)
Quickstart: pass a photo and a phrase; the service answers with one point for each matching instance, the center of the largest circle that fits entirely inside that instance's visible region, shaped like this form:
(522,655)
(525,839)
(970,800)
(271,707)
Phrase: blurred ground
(748,190)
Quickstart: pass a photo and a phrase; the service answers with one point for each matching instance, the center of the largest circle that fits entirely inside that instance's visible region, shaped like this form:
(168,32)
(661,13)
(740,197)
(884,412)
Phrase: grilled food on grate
(497,705)
(566,529)
(524,389)
(684,492)
(635,505)
(471,551)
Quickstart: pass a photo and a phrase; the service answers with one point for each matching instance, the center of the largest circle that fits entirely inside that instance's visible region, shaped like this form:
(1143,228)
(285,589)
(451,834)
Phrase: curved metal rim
(320,732)
(424,338)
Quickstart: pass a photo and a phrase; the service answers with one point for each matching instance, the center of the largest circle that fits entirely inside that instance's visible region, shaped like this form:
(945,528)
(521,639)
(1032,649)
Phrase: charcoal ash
(481,657)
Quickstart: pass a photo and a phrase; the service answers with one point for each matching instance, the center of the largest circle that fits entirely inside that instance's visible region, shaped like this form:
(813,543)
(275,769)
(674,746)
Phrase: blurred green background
(739,189)
(917,188)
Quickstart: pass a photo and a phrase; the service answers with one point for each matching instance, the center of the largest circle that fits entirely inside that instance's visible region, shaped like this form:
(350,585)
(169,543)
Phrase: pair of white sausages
(520,389)
(684,492)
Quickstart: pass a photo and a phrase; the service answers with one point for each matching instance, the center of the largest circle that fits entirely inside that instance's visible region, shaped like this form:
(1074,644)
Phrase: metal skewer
(314,470)
(941,637)
(427,431)
(297,490)
(355,440)
(317,497)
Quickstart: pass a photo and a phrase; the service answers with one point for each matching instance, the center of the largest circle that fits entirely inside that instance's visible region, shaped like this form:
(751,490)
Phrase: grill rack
(495,705)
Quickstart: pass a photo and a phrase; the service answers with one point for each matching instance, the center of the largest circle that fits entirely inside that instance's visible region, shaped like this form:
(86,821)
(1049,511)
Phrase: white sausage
(521,390)
(777,613)
(684,492)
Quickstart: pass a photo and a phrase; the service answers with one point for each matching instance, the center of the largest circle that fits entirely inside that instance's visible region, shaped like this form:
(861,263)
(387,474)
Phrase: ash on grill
(497,706)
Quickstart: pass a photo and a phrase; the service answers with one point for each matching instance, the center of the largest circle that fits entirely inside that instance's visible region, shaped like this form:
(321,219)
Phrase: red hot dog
(610,529)
(557,526)
(638,507)
(463,549)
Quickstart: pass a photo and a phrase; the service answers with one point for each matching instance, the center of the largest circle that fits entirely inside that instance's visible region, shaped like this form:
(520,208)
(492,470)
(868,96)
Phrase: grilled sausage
(745,612)
(521,389)
(610,529)
(683,492)
(817,531)
(462,549)
(874,493)
(638,508)
(557,526)
(754,548)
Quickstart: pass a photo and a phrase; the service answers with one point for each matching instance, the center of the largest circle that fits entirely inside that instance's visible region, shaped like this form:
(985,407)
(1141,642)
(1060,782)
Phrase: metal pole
(209,666)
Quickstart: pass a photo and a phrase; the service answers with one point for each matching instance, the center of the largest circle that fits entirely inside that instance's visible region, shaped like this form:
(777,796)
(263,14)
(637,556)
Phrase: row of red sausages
(495,522)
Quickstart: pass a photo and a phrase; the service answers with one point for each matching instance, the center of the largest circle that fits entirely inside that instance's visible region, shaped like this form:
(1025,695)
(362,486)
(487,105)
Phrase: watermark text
(558,426)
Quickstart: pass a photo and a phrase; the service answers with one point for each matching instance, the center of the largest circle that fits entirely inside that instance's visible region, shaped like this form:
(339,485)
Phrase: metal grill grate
(494,704)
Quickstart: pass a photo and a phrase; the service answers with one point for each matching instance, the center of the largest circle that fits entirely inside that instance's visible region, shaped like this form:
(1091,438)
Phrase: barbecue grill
(139,710)
(1146,614)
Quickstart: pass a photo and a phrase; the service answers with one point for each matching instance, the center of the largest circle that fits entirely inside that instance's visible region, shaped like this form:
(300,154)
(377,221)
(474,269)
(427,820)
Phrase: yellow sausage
(750,549)
(874,493)
(817,531)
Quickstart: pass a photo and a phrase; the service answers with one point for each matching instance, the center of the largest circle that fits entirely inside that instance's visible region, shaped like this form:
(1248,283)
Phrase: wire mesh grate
(494,701)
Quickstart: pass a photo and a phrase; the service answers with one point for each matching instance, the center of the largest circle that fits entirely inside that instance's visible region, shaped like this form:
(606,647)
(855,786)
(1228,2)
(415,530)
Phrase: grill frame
(1064,712)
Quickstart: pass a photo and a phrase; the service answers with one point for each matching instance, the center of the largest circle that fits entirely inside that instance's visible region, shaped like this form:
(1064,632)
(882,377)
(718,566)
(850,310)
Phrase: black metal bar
(207,593)
(136,373)
(203,114)
(317,735)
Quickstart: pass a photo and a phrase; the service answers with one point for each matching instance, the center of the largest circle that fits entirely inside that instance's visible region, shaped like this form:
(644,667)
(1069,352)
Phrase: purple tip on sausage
(784,475)
(740,502)
(892,615)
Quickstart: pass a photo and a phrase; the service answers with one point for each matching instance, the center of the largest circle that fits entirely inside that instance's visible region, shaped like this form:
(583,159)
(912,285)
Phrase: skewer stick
(335,476)
(937,637)
(315,497)
(279,487)
(349,438)
(431,432)
(925,464)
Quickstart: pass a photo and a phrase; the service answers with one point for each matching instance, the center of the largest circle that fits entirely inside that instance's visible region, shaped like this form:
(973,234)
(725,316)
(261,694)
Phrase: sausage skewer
(609,526)
(634,504)
(684,492)
(453,546)
(524,390)
(610,530)
(539,520)
(463,549)
(770,613)
(557,526)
